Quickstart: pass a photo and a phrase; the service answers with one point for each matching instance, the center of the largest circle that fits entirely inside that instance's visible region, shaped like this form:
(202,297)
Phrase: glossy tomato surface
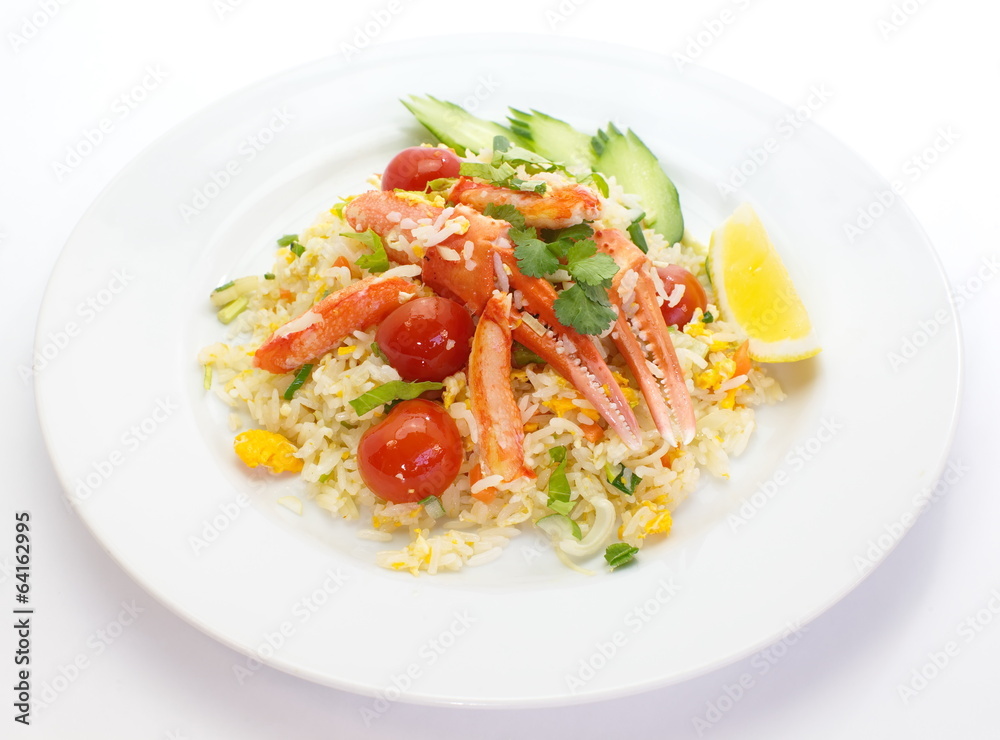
(415,452)
(426,338)
(413,168)
(694,295)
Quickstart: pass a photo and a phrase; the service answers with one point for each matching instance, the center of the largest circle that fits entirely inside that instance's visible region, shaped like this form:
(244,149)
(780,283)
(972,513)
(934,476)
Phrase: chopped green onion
(636,235)
(601,183)
(559,527)
(394,390)
(297,249)
(269,276)
(377,351)
(326,476)
(232,290)
(231,310)
(707,317)
(300,378)
(620,554)
(288,240)
(208,377)
(432,505)
(625,481)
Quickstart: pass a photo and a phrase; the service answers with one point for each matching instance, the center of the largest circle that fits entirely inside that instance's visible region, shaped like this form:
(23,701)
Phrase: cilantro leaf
(575,309)
(619,554)
(533,256)
(602,185)
(596,293)
(378,260)
(505,212)
(594,270)
(574,233)
(394,390)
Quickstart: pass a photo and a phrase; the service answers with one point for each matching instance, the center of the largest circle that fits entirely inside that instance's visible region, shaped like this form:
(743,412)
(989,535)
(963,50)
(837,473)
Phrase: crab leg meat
(501,434)
(643,338)
(469,274)
(329,322)
(557,208)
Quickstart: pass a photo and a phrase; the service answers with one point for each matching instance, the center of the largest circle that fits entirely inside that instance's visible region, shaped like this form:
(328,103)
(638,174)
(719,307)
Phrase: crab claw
(557,208)
(469,266)
(498,418)
(642,337)
(573,355)
(329,322)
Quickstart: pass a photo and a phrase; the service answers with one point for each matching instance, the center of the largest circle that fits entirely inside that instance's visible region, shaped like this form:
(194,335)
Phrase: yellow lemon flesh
(755,291)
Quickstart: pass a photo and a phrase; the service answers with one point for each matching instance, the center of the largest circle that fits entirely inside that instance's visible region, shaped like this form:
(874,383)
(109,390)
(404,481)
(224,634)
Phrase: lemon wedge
(755,291)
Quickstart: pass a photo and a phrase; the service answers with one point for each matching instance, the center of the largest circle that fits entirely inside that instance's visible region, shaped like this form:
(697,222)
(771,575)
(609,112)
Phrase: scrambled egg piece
(261,447)
(630,393)
(562,406)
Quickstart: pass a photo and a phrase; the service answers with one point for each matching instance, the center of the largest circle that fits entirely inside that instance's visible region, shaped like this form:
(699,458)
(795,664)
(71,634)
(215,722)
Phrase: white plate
(146,459)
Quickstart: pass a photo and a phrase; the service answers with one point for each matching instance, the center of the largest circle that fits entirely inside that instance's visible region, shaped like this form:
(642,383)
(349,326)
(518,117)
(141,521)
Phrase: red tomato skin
(417,440)
(413,168)
(694,295)
(426,338)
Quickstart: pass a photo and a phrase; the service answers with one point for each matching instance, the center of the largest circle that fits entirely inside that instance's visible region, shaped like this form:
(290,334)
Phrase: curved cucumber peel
(638,171)
(555,140)
(456,127)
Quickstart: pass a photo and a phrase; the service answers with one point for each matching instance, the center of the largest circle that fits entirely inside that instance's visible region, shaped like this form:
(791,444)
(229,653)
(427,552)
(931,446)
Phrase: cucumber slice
(555,140)
(455,126)
(638,172)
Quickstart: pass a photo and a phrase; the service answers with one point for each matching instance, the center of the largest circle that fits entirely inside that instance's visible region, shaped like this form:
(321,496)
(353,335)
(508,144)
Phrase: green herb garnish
(221,288)
(707,317)
(394,390)
(636,235)
(576,309)
(378,260)
(377,351)
(505,212)
(559,492)
(233,309)
(269,276)
(625,481)
(620,554)
(288,240)
(300,378)
(534,258)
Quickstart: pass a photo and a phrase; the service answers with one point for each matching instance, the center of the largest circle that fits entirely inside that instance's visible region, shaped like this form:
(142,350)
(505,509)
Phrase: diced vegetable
(231,310)
(433,506)
(521,356)
(559,492)
(636,235)
(637,170)
(625,480)
(378,260)
(232,290)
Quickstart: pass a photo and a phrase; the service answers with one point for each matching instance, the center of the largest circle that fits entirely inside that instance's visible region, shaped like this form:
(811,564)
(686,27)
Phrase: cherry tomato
(426,338)
(413,168)
(415,452)
(694,295)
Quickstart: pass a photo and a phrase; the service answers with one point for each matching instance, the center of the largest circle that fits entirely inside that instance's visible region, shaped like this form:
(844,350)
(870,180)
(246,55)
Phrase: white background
(894,88)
